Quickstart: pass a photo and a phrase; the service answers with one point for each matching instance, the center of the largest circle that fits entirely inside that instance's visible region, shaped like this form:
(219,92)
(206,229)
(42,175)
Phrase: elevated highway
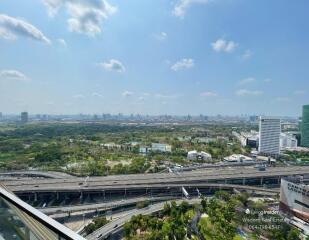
(76,190)
(62,211)
(34,174)
(243,176)
(96,207)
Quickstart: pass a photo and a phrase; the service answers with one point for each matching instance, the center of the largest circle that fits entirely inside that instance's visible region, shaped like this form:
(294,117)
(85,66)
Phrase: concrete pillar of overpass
(225,181)
(35,196)
(57,195)
(279,180)
(261,183)
(81,195)
(244,181)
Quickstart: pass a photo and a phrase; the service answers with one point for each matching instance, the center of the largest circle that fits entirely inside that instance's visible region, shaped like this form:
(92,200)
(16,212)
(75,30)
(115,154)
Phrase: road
(118,223)
(156,179)
(35,174)
(55,211)
(63,211)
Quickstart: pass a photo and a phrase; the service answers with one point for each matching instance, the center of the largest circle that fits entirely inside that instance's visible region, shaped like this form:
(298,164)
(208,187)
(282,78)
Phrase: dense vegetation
(96,223)
(170,224)
(219,218)
(83,149)
(297,156)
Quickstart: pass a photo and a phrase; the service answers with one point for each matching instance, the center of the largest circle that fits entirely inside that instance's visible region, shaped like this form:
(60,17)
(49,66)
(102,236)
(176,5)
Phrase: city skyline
(154,57)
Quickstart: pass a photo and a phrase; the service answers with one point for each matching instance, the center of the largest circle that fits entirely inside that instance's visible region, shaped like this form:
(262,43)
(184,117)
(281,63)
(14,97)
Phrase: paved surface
(34,174)
(118,223)
(53,211)
(74,184)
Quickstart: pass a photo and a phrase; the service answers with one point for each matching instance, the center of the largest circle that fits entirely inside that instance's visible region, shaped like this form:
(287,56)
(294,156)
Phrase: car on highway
(99,236)
(260,167)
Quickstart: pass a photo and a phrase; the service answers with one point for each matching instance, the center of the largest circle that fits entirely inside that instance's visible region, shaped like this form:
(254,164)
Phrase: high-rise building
(287,141)
(269,135)
(24,117)
(1,116)
(305,127)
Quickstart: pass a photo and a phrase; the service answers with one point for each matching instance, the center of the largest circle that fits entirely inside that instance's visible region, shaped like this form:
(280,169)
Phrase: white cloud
(184,63)
(62,42)
(246,81)
(165,96)
(267,80)
(86,16)
(208,94)
(247,54)
(222,45)
(282,99)
(142,99)
(11,28)
(230,46)
(127,94)
(299,92)
(182,6)
(161,36)
(95,94)
(113,65)
(10,74)
(79,96)
(246,92)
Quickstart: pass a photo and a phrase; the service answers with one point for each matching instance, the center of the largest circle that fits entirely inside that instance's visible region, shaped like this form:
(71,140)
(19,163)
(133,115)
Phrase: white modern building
(287,141)
(194,155)
(250,139)
(269,135)
(161,147)
(238,158)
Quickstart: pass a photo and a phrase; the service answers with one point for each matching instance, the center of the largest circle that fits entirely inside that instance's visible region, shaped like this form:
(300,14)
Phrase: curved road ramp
(114,226)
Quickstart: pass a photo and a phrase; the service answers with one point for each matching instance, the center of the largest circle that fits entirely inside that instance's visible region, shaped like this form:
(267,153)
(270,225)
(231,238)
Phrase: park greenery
(96,223)
(298,157)
(218,218)
(104,149)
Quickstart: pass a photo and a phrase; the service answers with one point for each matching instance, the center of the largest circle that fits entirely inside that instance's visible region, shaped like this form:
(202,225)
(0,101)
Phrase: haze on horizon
(175,57)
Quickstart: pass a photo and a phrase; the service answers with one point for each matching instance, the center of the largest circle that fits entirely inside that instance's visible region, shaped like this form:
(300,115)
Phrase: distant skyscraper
(253,118)
(269,137)
(24,117)
(305,127)
(1,116)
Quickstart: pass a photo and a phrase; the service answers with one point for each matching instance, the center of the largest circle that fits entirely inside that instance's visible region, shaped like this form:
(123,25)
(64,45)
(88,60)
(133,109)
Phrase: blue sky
(207,57)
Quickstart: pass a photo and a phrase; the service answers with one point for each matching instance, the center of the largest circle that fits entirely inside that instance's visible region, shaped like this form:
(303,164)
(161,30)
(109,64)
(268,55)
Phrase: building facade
(305,127)
(269,135)
(161,147)
(287,141)
(294,198)
(24,117)
(202,156)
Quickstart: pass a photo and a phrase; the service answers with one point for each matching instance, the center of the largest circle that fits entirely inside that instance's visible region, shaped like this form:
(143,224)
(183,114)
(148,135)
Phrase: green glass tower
(305,127)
